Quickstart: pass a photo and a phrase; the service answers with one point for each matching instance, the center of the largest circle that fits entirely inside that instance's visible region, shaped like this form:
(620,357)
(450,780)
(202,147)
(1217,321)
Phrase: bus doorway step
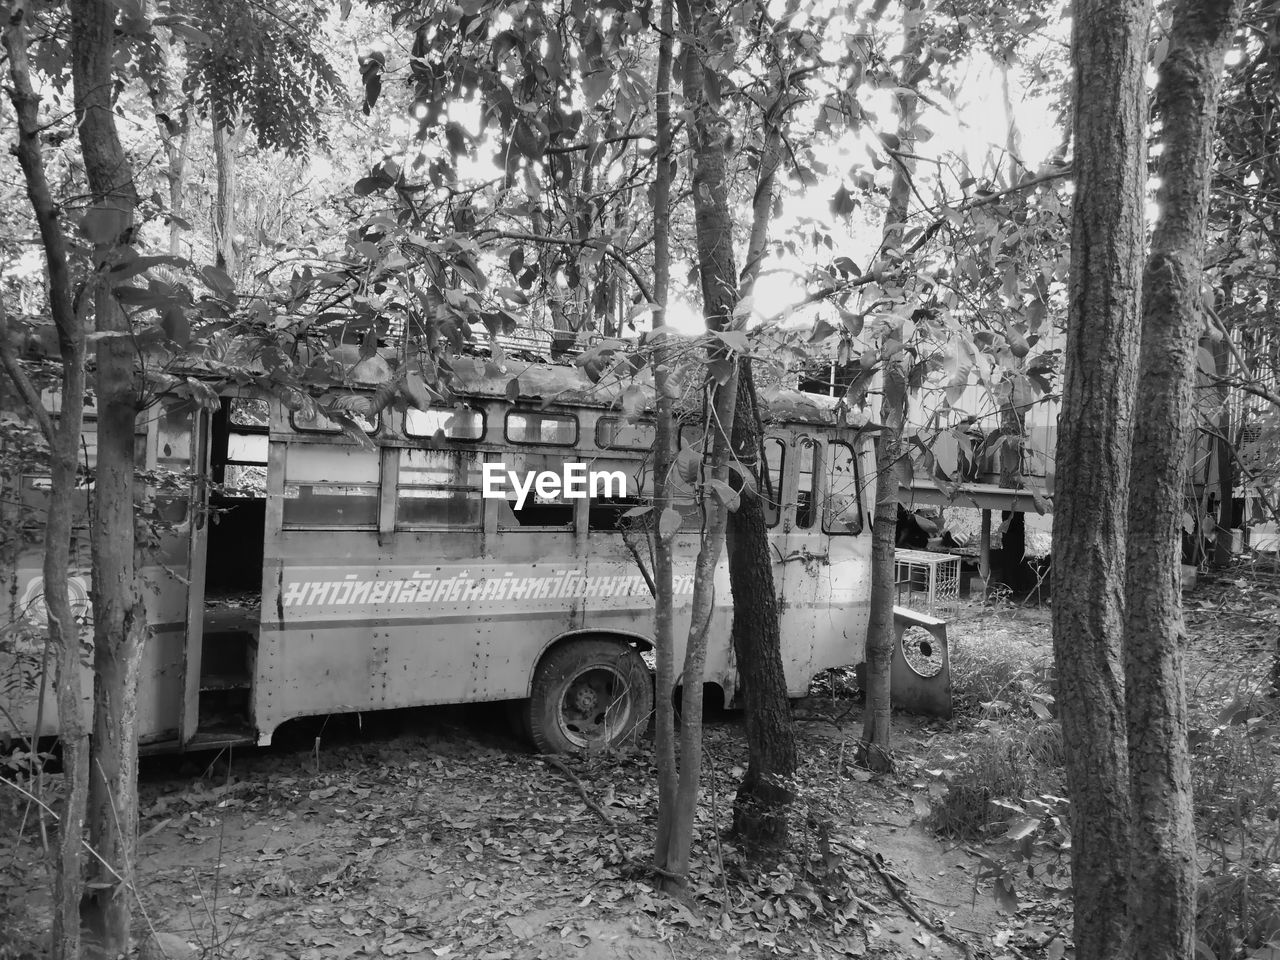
(217,737)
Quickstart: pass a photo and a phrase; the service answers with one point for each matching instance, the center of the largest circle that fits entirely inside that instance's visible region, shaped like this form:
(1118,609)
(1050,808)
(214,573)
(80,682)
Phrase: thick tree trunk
(764,797)
(1109,40)
(119,617)
(64,445)
(762,804)
(1162,880)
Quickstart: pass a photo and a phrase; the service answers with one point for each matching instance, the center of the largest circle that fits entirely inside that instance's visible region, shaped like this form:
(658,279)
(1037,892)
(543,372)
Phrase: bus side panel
(159,693)
(346,634)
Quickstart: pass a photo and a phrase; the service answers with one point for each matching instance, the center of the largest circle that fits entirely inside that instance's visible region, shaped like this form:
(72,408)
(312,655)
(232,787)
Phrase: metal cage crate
(929,582)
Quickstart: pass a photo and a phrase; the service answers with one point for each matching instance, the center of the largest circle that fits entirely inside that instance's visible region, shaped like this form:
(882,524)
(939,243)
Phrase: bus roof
(565,384)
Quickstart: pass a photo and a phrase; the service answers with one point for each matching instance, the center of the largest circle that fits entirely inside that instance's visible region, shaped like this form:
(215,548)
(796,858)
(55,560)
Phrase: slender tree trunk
(1109,39)
(64,443)
(1226,457)
(1162,878)
(876,722)
(718,274)
(880,633)
(663,448)
(225,140)
(119,617)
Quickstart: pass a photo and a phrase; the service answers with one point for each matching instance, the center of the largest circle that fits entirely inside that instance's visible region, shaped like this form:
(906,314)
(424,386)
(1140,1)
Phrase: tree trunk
(225,140)
(1109,40)
(119,617)
(718,274)
(884,527)
(1162,879)
(663,449)
(764,797)
(1226,456)
(876,722)
(64,446)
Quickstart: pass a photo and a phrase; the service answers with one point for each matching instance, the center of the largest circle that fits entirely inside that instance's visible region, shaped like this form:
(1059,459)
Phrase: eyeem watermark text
(573,482)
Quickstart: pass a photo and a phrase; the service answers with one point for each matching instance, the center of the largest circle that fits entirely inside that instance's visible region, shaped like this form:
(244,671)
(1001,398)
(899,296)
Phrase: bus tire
(589,694)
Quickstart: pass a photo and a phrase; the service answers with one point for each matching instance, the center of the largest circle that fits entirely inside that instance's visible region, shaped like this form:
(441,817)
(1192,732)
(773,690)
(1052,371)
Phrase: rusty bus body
(362,577)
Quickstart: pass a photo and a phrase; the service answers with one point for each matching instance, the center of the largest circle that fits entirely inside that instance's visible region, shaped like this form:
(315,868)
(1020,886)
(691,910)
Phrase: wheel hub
(584,698)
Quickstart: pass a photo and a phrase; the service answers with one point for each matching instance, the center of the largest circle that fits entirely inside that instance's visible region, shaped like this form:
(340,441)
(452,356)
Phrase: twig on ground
(900,894)
(603,814)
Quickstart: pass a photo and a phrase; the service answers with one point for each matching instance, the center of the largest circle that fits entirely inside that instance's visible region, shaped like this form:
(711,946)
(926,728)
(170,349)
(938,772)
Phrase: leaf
(842,202)
(724,493)
(669,523)
(687,463)
(513,389)
(367,185)
(217,280)
(176,326)
(1022,828)
(821,330)
(595,85)
(1006,897)
(1205,359)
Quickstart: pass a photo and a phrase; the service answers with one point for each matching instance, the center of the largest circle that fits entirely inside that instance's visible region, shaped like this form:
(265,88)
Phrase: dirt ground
(435,833)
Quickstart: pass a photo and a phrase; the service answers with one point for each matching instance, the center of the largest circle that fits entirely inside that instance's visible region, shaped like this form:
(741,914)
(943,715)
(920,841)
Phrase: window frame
(569,417)
(602,421)
(857,483)
(323,432)
(484,424)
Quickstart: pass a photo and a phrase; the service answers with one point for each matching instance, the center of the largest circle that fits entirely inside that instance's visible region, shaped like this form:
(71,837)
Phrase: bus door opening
(233,570)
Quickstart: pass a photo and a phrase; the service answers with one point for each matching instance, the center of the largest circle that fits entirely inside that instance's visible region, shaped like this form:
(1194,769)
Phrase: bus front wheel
(587,695)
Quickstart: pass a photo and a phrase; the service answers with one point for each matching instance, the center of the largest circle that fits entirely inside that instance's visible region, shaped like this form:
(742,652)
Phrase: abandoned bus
(331,576)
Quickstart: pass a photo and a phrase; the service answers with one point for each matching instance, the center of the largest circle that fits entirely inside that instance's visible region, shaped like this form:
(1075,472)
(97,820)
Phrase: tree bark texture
(1162,863)
(718,274)
(119,618)
(664,444)
(763,801)
(226,138)
(876,721)
(64,444)
(884,528)
(760,809)
(1109,39)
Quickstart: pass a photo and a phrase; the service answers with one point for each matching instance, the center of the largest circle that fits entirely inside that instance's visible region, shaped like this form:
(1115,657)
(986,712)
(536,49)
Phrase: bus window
(621,485)
(315,421)
(771,481)
(439,489)
(455,423)
(558,429)
(245,472)
(537,512)
(806,482)
(844,491)
(249,412)
(613,433)
(330,486)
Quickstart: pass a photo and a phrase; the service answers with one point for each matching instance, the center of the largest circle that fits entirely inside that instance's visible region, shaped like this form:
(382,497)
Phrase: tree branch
(13,367)
(602,245)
